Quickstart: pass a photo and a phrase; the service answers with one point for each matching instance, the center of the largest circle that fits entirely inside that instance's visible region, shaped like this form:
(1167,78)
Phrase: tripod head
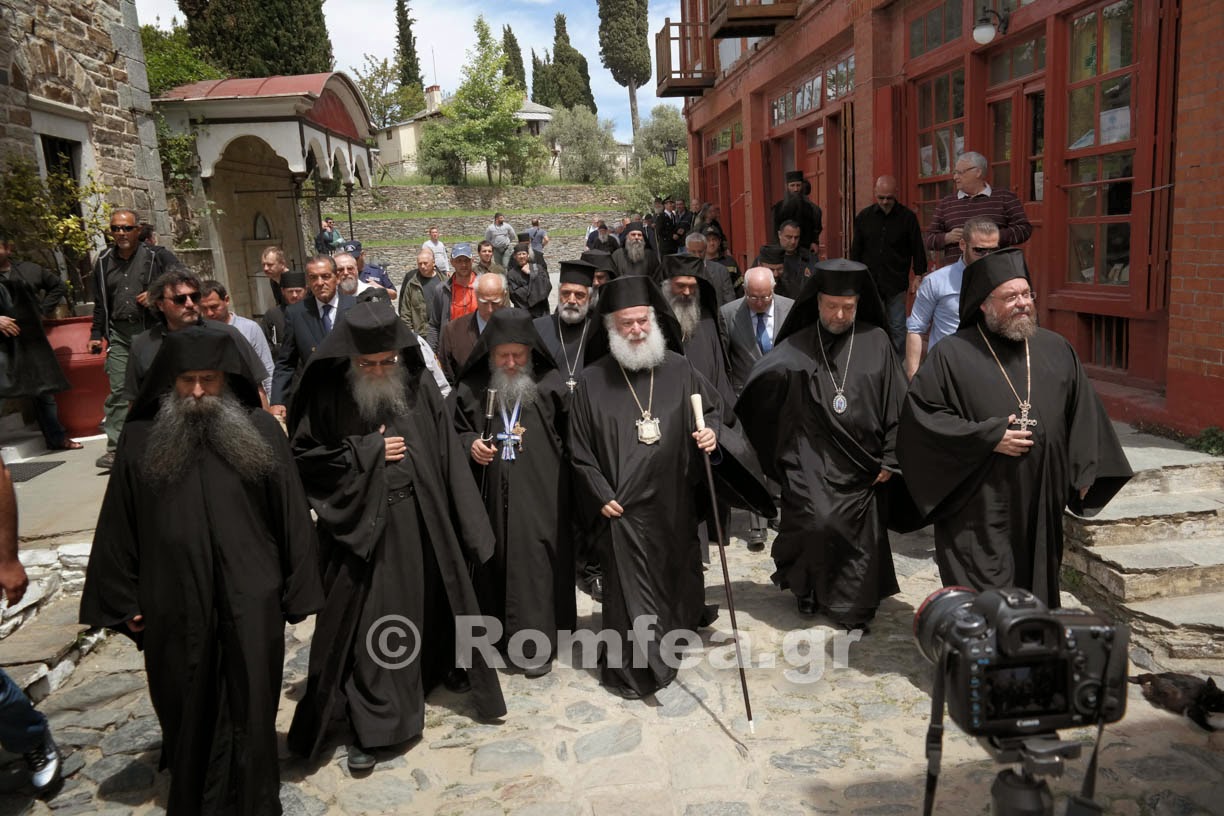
(1040,755)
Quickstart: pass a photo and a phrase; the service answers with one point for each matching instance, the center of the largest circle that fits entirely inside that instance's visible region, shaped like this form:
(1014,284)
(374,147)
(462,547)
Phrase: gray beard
(379,399)
(519,388)
(185,426)
(635,251)
(348,286)
(636,357)
(688,312)
(1016,327)
(837,329)
(573,313)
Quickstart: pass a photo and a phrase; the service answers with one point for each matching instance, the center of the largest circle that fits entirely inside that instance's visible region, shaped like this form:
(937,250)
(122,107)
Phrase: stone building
(74,96)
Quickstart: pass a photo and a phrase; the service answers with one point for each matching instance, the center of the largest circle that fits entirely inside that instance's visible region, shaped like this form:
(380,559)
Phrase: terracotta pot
(80,409)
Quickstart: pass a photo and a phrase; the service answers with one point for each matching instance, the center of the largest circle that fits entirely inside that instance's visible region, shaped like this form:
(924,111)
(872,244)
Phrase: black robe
(28,365)
(999,519)
(648,266)
(833,540)
(215,565)
(707,352)
(380,558)
(651,555)
(528,584)
(571,356)
(529,291)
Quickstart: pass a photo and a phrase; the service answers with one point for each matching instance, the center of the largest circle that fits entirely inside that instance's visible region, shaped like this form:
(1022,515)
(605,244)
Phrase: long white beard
(1015,327)
(688,312)
(378,399)
(348,286)
(519,388)
(185,425)
(637,356)
(574,313)
(635,250)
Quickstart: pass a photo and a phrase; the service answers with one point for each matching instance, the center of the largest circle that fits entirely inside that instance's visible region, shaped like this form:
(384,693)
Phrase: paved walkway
(848,740)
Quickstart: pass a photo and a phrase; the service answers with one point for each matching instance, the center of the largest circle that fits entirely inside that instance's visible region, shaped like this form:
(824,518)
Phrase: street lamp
(669,153)
(985,28)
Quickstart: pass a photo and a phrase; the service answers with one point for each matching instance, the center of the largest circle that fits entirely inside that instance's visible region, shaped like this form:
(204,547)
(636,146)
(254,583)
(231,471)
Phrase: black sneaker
(359,759)
(45,764)
(106,461)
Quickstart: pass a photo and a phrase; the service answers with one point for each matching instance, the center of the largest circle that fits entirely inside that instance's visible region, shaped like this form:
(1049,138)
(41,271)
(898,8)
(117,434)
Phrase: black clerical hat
(682,265)
(772,254)
(579,272)
(293,280)
(506,326)
(600,260)
(985,275)
(370,327)
(838,277)
(374,293)
(634,226)
(625,293)
(794,175)
(195,348)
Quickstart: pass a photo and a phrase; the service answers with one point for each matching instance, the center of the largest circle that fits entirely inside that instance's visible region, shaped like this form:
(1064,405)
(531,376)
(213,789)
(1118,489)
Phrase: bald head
(490,294)
(886,192)
(759,289)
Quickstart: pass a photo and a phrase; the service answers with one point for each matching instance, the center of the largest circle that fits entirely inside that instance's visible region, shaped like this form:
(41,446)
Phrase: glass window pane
(1036,190)
(1119,165)
(958,93)
(1000,176)
(1083,47)
(943,151)
(1024,58)
(926,155)
(1081,256)
(952,20)
(934,28)
(1083,202)
(1116,110)
(1117,254)
(945,188)
(1040,59)
(918,37)
(850,73)
(1037,123)
(831,82)
(1118,36)
(925,105)
(1001,138)
(1118,198)
(958,142)
(1000,67)
(1083,170)
(1081,118)
(941,99)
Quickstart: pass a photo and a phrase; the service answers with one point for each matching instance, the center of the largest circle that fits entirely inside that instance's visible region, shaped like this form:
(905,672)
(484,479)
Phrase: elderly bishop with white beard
(1001,431)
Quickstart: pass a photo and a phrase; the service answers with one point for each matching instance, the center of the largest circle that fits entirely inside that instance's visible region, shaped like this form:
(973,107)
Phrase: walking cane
(699,418)
(487,436)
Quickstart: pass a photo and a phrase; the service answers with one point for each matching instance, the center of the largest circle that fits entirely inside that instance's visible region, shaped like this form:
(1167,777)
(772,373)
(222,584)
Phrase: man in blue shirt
(936,309)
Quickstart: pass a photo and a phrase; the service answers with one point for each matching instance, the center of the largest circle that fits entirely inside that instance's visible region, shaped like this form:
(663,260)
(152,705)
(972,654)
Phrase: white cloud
(444,32)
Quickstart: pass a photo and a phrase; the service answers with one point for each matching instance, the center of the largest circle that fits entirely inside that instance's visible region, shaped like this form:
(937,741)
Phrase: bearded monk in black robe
(524,467)
(822,409)
(994,477)
(203,549)
(400,519)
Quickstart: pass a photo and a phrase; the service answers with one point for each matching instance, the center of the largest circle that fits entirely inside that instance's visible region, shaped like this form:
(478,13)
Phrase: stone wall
(76,71)
(429,198)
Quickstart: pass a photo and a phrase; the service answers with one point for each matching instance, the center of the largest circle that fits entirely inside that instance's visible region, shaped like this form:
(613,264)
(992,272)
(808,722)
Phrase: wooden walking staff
(487,436)
(699,418)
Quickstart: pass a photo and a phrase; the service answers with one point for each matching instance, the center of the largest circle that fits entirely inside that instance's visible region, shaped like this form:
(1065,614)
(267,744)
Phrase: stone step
(45,649)
(1190,627)
(1136,519)
(1135,572)
(1194,472)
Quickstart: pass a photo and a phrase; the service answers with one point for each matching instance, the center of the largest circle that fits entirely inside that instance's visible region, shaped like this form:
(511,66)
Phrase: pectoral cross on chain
(511,440)
(1024,422)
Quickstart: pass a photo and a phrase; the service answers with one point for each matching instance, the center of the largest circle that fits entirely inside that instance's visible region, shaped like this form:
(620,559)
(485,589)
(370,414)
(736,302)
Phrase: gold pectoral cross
(1024,422)
(518,430)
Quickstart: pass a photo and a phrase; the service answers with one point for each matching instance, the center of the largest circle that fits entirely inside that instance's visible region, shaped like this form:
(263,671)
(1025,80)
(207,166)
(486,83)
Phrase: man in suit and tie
(750,325)
(306,324)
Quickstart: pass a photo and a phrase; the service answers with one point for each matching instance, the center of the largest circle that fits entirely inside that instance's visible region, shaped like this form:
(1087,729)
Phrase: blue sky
(444,33)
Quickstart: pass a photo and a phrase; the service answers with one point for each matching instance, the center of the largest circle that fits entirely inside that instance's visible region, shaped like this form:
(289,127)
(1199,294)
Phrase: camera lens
(935,616)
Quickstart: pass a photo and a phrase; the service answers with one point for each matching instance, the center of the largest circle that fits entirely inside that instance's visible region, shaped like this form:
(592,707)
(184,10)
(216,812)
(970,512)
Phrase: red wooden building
(1104,117)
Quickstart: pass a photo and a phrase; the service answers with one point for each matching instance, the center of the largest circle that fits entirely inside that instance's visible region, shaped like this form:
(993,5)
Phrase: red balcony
(684,60)
(748,18)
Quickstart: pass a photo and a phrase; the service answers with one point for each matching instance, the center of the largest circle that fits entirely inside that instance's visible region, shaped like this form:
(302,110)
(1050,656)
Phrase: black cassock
(650,555)
(215,565)
(999,519)
(833,539)
(393,540)
(529,581)
(529,290)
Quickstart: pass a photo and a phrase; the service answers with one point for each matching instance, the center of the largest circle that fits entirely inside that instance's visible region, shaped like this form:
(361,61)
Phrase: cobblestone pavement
(848,740)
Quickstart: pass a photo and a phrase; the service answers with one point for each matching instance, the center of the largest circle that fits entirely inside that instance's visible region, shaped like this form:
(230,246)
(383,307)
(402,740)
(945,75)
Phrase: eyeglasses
(960,172)
(123,228)
(180,300)
(760,298)
(390,361)
(492,302)
(1012,300)
(984,250)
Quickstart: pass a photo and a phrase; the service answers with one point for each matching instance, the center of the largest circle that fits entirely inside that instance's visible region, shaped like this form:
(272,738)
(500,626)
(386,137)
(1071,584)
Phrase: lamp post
(669,153)
(985,28)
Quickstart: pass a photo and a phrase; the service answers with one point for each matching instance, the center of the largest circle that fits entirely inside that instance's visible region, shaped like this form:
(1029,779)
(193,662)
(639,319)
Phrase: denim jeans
(21,727)
(895,314)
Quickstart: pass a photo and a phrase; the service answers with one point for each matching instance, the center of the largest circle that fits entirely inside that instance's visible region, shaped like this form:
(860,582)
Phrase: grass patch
(400,215)
(451,241)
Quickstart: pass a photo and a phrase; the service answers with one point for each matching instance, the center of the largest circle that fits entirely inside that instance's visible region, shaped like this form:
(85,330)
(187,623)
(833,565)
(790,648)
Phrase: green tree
(568,74)
(257,38)
(526,159)
(378,81)
(482,111)
(586,144)
(543,90)
(405,48)
(665,124)
(436,154)
(623,46)
(514,58)
(656,180)
(171,60)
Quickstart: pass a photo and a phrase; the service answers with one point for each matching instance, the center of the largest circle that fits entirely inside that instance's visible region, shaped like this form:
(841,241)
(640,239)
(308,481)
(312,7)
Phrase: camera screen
(1028,690)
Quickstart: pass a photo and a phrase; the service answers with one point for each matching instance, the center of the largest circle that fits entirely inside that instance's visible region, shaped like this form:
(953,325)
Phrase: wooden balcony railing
(684,59)
(748,18)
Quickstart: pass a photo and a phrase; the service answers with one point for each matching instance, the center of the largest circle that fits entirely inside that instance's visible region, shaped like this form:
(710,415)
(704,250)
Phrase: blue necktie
(327,321)
(762,335)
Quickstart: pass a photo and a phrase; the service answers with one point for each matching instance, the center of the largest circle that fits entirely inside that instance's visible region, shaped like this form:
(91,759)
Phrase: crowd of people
(451,448)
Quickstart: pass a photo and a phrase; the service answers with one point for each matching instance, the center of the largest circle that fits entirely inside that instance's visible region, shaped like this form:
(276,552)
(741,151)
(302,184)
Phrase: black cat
(1200,700)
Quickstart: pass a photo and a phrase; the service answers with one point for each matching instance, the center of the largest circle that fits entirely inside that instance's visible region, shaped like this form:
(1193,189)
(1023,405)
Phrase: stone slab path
(845,737)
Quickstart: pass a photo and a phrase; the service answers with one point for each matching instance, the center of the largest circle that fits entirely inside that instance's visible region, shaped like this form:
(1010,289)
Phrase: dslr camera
(1013,667)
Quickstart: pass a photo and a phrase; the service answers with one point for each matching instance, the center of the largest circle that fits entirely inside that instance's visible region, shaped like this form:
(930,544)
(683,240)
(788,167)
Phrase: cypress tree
(514,58)
(569,75)
(254,38)
(542,89)
(405,48)
(623,46)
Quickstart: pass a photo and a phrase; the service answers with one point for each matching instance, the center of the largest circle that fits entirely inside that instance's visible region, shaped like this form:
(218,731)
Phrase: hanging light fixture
(985,29)
(669,153)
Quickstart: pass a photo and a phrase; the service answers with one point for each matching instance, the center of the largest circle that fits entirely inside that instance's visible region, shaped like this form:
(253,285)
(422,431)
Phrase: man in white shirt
(215,305)
(441,259)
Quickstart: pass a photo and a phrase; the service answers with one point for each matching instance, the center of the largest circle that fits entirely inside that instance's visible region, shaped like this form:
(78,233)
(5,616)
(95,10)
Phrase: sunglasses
(181,300)
(123,228)
(984,250)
